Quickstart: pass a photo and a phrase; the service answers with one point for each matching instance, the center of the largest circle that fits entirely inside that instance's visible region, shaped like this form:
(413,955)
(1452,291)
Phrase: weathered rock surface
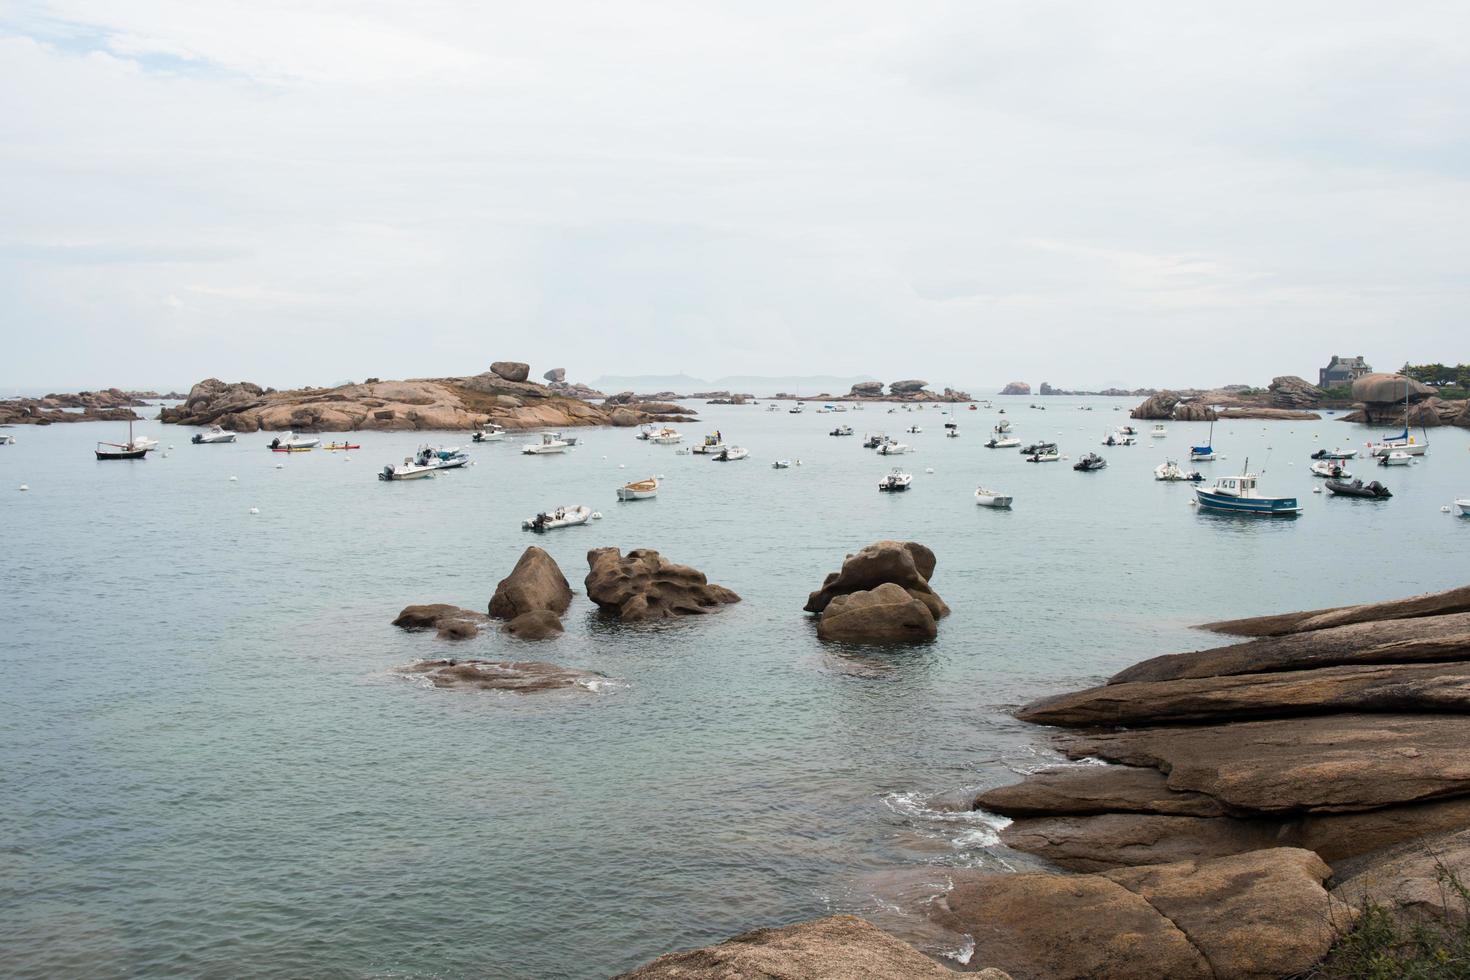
(520,677)
(1369,687)
(886,614)
(1016,388)
(443,403)
(108,405)
(1410,879)
(511,370)
(643,585)
(555,375)
(868,389)
(1268,414)
(451,622)
(1079,790)
(1455,600)
(1173,405)
(1289,391)
(536,583)
(907,564)
(1261,914)
(538,624)
(1326,763)
(1422,640)
(840,947)
(1389,389)
(906,387)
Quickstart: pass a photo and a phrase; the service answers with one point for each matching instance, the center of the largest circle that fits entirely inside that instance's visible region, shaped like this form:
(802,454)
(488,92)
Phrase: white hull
(1043,458)
(1395,458)
(561,517)
(1328,471)
(1463,507)
(1010,443)
(625,494)
(1407,448)
(893,449)
(989,498)
(731,454)
(407,472)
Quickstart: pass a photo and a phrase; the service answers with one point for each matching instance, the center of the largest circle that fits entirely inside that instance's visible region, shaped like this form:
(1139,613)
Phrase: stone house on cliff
(1342,371)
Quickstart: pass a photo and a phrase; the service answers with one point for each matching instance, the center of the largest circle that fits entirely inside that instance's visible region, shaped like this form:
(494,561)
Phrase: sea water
(207,766)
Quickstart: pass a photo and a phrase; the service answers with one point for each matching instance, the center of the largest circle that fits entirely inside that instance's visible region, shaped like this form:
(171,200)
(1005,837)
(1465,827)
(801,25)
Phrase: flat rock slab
(1428,604)
(1082,790)
(1431,638)
(1371,687)
(1112,840)
(451,622)
(520,677)
(840,947)
(1261,914)
(1328,763)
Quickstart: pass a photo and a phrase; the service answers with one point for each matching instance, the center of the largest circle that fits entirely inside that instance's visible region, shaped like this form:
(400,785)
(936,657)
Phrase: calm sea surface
(207,768)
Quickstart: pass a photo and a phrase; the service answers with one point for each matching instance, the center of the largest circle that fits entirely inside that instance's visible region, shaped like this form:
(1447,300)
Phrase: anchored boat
(490,433)
(992,498)
(1369,491)
(132,449)
(895,482)
(568,516)
(639,489)
(290,442)
(213,436)
(730,454)
(1331,470)
(1090,463)
(549,444)
(1240,495)
(1170,472)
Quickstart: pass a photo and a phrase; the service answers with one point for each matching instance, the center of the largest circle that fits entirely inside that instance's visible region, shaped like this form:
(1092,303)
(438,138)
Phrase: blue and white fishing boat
(1238,495)
(1205,453)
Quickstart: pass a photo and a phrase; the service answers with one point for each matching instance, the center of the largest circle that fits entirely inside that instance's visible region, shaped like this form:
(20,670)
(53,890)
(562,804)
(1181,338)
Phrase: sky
(1151,193)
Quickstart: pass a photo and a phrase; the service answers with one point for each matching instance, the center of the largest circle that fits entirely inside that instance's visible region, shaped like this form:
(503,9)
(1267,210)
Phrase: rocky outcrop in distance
(1290,392)
(1337,732)
(517,676)
(1047,389)
(1172,405)
(443,403)
(840,946)
(1016,388)
(643,585)
(1381,397)
(109,405)
(881,594)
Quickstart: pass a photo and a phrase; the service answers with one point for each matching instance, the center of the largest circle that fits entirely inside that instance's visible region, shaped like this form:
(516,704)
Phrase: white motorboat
(560,437)
(1001,427)
(841,430)
(915,429)
(1003,442)
(794,410)
(1330,470)
(639,489)
(1120,438)
(893,449)
(645,432)
(1407,447)
(666,437)
(1044,457)
(991,498)
(569,516)
(410,469)
(215,434)
(148,445)
(6,440)
(549,444)
(951,430)
(1335,454)
(895,482)
(444,459)
(1159,431)
(711,445)
(1462,507)
(490,433)
(824,410)
(781,464)
(1395,458)
(1171,472)
(290,442)
(730,454)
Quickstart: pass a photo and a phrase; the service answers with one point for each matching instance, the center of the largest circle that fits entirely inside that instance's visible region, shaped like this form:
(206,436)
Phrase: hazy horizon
(1044,191)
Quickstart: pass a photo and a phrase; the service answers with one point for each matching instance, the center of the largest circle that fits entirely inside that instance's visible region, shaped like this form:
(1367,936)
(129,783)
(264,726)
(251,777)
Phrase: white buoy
(597,515)
(255,510)
(798,462)
(622,466)
(1316,489)
(280,466)
(1443,510)
(170,447)
(928,469)
(24,488)
(234,479)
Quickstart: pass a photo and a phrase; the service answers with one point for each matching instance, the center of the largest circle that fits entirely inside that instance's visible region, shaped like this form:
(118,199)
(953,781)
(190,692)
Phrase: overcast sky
(1149,193)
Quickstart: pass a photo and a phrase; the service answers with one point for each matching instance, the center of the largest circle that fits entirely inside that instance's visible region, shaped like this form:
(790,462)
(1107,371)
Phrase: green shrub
(1380,947)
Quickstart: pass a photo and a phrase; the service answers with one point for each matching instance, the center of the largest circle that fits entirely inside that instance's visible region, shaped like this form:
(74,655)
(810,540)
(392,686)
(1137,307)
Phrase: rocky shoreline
(108,405)
(1231,812)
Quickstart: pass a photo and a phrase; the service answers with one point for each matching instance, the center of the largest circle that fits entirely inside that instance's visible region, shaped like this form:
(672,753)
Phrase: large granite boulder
(519,677)
(1389,389)
(867,389)
(1087,790)
(1263,914)
(1328,763)
(555,375)
(1289,391)
(1016,388)
(886,614)
(643,585)
(536,583)
(623,417)
(1411,880)
(907,387)
(840,947)
(907,564)
(211,399)
(1157,406)
(511,370)
(451,622)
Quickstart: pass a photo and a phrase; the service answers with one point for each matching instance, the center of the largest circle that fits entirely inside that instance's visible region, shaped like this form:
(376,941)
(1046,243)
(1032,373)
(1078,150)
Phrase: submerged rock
(520,677)
(886,614)
(538,624)
(644,585)
(1256,915)
(452,622)
(536,583)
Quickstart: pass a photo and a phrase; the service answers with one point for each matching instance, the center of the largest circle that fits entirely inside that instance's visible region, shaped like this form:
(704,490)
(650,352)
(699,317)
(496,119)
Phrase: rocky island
(109,405)
(501,396)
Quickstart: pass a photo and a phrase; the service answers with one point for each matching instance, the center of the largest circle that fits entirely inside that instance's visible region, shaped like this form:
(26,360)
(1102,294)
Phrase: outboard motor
(276,443)
(388,472)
